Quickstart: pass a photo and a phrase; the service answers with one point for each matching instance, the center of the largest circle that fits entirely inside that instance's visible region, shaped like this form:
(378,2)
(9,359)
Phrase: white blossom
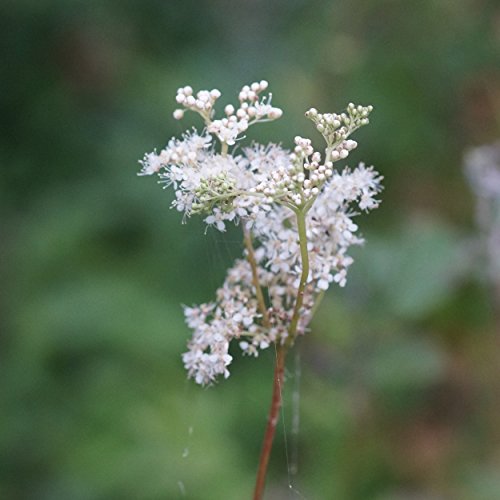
(264,187)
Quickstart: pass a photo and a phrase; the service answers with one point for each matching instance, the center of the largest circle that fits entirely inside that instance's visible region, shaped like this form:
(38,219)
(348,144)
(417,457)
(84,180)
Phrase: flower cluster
(335,128)
(202,103)
(252,109)
(295,208)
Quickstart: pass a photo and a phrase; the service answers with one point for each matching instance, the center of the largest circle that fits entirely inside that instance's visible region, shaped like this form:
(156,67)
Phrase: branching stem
(278,373)
(304,256)
(281,351)
(247,238)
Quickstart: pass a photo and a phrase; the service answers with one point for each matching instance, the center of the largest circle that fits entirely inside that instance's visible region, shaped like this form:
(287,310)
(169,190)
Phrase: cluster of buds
(336,128)
(303,148)
(202,103)
(253,108)
(285,183)
(217,190)
(228,129)
(312,173)
(341,152)
(302,180)
(282,184)
(318,175)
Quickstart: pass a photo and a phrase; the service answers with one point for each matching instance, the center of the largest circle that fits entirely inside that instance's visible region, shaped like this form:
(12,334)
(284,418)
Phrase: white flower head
(296,210)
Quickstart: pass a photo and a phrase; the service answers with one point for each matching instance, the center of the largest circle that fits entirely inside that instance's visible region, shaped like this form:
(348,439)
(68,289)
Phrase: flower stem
(272,421)
(279,369)
(247,238)
(304,257)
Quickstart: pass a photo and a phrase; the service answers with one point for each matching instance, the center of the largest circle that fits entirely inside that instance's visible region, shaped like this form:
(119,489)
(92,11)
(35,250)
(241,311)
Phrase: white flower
(227,129)
(218,218)
(265,187)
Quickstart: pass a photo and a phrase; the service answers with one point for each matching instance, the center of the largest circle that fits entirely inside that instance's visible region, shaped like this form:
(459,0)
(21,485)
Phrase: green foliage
(411,271)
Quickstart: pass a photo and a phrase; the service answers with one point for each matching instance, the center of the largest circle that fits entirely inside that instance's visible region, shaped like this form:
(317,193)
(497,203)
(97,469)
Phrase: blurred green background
(400,378)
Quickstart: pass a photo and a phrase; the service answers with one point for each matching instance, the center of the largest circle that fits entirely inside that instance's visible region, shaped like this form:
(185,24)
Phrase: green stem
(328,153)
(304,256)
(281,351)
(247,238)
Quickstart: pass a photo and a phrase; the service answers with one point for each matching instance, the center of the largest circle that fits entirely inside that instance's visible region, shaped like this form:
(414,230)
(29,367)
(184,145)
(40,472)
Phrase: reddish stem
(272,421)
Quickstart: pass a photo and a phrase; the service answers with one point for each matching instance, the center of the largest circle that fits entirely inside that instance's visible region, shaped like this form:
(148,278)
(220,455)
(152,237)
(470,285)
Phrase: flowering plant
(296,212)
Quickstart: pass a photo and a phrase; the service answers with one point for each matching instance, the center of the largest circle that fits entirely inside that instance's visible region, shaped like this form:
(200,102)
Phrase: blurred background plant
(400,391)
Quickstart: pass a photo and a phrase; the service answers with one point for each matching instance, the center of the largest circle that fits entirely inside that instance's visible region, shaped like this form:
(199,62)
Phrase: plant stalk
(304,257)
(247,238)
(279,369)
(272,421)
